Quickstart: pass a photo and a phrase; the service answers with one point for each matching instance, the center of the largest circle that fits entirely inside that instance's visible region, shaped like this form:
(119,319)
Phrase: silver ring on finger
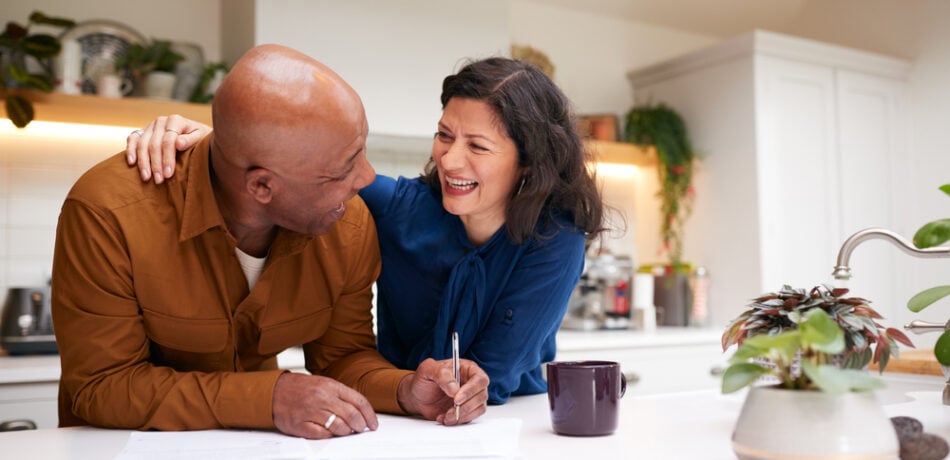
(169,130)
(330,421)
(138,131)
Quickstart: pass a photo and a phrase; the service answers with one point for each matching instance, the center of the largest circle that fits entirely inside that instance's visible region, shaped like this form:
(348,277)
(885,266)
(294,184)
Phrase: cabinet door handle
(17,425)
(716,371)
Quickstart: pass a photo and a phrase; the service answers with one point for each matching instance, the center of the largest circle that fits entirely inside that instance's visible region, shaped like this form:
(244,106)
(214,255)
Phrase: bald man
(171,303)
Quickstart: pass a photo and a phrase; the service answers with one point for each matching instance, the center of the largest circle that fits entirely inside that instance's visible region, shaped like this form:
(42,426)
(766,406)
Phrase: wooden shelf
(622,153)
(133,112)
(95,110)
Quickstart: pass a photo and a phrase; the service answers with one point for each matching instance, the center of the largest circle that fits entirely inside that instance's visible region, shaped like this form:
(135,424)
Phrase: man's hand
(432,391)
(305,404)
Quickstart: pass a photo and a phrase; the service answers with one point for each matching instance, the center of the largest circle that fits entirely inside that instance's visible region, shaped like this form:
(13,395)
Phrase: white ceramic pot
(160,85)
(781,424)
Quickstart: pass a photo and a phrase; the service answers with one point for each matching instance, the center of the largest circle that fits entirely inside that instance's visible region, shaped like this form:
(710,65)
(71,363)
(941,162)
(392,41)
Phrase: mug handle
(623,384)
(126,86)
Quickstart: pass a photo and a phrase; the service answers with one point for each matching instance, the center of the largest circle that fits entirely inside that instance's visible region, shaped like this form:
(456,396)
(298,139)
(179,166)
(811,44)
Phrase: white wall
(395,54)
(593,53)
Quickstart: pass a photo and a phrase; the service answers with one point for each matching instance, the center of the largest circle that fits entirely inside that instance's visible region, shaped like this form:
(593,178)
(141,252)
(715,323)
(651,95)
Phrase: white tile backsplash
(41,182)
(34,211)
(26,242)
(34,271)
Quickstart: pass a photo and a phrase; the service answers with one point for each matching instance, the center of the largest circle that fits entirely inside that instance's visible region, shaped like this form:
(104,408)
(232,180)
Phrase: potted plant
(814,400)
(660,126)
(18,48)
(152,67)
(211,76)
(776,312)
(929,235)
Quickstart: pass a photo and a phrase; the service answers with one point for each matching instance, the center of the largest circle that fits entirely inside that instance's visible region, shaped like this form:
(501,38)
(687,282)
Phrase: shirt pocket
(298,331)
(187,334)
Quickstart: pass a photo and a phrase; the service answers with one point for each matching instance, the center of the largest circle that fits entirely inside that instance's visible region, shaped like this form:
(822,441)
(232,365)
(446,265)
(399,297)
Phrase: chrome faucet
(843,272)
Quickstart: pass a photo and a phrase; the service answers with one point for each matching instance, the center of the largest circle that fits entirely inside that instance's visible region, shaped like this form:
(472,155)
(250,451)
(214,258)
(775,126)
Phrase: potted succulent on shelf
(152,67)
(930,235)
(814,398)
(18,48)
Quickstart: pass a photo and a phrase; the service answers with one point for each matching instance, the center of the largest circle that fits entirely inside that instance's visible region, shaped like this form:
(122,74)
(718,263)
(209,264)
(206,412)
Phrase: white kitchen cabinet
(35,401)
(800,146)
(29,385)
(668,360)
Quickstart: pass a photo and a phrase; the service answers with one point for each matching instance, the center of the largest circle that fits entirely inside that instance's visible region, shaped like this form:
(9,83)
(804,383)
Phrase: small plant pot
(672,298)
(160,85)
(776,423)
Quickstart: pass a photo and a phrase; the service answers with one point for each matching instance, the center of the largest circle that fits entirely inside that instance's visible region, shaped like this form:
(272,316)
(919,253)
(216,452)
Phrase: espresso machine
(26,325)
(602,298)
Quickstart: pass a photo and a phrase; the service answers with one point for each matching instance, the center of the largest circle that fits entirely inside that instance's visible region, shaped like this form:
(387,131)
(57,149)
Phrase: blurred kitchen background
(395,54)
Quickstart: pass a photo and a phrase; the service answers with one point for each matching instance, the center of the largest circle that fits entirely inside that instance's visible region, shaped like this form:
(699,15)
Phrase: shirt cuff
(248,401)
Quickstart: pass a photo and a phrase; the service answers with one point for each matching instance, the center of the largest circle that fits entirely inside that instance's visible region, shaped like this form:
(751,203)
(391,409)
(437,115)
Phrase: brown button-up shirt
(155,324)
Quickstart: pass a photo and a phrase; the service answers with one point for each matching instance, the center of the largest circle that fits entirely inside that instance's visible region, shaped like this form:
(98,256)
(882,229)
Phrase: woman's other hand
(154,147)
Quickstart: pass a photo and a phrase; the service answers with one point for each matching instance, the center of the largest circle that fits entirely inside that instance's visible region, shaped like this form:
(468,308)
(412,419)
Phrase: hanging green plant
(17,47)
(660,126)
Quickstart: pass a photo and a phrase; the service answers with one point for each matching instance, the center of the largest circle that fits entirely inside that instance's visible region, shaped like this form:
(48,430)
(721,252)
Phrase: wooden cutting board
(914,362)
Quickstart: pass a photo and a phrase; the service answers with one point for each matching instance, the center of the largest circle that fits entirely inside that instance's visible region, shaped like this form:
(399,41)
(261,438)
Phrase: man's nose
(365,174)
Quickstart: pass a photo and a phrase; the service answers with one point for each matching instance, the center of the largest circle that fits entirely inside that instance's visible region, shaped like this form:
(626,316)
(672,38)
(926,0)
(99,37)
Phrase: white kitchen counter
(688,425)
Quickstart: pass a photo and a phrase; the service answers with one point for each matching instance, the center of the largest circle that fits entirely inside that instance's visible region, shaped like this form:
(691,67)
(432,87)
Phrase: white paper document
(213,445)
(403,438)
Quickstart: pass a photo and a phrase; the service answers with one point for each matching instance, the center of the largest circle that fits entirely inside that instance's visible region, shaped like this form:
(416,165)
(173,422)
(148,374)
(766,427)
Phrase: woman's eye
(478,148)
(442,136)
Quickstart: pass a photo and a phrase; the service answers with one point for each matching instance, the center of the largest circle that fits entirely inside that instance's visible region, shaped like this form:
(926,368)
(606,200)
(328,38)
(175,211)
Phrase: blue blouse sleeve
(520,335)
(378,195)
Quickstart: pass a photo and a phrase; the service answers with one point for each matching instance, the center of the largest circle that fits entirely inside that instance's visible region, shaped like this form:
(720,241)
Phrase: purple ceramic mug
(585,396)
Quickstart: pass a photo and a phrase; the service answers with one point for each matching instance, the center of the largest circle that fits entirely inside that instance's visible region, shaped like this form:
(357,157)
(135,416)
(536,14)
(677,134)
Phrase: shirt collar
(200,208)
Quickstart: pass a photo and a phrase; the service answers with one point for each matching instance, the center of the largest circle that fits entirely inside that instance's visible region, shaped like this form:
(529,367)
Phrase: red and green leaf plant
(811,346)
(865,340)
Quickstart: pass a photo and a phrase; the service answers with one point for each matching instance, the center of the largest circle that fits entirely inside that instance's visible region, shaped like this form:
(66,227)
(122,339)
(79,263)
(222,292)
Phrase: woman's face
(477,164)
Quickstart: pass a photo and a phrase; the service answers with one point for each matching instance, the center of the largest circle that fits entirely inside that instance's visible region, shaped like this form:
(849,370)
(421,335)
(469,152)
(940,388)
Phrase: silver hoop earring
(521,187)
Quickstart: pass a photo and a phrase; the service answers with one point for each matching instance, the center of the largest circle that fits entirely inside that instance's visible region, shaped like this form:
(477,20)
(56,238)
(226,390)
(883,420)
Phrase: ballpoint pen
(455,365)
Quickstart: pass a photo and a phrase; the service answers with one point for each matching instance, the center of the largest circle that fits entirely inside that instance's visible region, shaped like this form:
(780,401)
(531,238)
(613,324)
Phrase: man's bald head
(289,145)
(276,100)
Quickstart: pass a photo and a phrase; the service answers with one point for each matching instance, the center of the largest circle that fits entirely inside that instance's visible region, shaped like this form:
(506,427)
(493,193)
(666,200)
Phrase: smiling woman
(490,240)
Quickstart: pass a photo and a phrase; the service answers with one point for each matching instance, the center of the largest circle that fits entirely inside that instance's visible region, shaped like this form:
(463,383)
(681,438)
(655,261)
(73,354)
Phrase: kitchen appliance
(602,298)
(26,326)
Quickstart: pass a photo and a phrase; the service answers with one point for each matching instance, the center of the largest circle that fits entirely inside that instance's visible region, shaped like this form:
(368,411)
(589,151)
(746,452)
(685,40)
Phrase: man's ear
(260,184)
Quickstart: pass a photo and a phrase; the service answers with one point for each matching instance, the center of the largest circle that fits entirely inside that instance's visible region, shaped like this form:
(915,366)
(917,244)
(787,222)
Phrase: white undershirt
(252,266)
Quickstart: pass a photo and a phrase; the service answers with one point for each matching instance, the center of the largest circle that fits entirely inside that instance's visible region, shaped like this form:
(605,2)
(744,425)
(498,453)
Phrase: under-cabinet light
(617,170)
(49,129)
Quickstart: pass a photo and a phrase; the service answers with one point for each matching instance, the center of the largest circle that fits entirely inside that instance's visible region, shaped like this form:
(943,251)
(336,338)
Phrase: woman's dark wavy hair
(538,118)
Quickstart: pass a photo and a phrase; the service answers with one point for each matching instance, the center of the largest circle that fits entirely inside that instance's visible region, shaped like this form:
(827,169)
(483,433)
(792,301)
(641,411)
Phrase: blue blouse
(505,300)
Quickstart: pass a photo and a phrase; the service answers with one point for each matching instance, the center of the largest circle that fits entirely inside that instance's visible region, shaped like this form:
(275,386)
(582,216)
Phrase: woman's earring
(521,187)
